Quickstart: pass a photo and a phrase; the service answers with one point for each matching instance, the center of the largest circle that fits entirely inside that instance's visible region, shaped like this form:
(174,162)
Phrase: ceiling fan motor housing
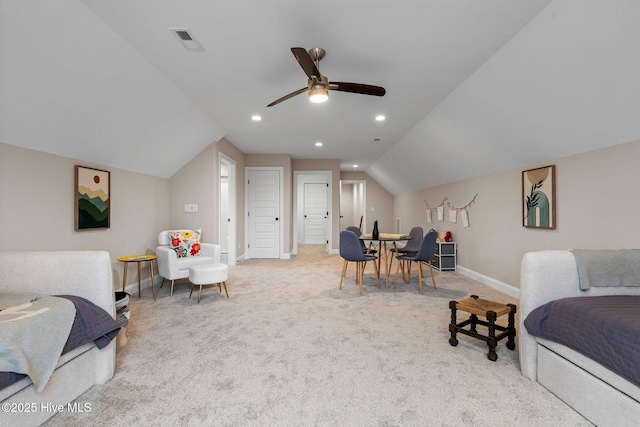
(318,85)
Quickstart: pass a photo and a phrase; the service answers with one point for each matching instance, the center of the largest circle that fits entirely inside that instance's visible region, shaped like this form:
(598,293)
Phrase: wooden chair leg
(375,266)
(344,271)
(407,266)
(432,278)
(360,274)
(400,262)
(420,275)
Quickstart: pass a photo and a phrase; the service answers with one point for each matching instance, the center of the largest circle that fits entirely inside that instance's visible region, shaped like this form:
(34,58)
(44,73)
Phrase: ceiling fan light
(318,94)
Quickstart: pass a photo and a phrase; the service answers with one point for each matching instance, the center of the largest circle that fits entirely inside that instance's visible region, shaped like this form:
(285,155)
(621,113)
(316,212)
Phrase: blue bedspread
(603,328)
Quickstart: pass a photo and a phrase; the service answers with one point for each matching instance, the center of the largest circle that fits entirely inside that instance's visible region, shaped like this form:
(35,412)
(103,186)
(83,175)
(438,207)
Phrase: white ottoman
(208,274)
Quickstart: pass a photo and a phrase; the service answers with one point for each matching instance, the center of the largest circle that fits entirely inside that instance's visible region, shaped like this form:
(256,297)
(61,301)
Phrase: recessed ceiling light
(380,118)
(319,144)
(256,118)
(355,166)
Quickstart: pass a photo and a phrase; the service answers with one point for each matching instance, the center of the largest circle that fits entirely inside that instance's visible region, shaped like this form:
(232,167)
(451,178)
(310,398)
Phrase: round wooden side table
(138,259)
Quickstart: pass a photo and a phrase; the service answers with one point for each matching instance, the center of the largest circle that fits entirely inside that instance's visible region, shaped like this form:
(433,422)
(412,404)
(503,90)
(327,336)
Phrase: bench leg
(491,342)
(511,339)
(474,322)
(453,325)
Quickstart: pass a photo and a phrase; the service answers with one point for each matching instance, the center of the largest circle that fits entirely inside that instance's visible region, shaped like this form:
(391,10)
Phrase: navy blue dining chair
(351,251)
(412,246)
(362,244)
(425,254)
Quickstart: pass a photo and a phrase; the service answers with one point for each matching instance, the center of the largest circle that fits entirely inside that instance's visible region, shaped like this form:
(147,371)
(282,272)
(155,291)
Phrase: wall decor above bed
(92,198)
(539,198)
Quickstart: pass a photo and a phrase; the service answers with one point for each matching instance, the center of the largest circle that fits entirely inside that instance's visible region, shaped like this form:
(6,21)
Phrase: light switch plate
(191,208)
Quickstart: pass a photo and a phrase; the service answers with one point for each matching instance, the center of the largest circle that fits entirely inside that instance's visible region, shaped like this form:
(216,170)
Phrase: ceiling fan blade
(305,61)
(358,88)
(291,95)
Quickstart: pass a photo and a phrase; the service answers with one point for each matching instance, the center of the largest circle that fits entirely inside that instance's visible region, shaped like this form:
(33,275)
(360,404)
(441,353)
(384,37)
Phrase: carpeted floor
(291,349)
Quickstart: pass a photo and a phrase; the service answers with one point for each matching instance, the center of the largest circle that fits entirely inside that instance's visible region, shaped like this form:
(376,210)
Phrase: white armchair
(173,268)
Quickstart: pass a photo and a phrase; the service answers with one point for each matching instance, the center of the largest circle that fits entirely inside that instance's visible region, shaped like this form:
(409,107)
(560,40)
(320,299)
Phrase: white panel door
(264,214)
(315,213)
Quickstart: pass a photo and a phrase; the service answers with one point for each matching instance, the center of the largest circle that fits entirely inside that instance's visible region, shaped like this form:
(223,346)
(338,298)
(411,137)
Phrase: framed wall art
(92,199)
(539,198)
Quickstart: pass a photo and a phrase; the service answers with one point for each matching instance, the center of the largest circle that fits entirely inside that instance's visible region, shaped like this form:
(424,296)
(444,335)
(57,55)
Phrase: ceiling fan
(318,85)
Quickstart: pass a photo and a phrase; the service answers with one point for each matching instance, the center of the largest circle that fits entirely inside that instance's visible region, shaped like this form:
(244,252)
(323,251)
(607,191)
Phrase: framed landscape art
(92,199)
(539,198)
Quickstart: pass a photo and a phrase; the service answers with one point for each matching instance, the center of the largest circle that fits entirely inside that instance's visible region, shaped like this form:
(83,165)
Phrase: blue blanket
(604,328)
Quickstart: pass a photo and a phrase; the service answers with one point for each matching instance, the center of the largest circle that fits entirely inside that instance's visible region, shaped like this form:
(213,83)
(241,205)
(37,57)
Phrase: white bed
(600,395)
(86,274)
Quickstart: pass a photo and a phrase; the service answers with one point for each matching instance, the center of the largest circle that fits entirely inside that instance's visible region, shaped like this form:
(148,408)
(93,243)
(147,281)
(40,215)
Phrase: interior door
(264,213)
(315,213)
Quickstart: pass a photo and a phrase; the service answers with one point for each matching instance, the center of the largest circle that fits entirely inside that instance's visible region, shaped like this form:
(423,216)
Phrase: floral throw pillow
(185,242)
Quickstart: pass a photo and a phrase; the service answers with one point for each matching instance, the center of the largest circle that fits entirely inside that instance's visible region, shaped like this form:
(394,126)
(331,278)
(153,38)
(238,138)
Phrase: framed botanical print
(539,198)
(92,198)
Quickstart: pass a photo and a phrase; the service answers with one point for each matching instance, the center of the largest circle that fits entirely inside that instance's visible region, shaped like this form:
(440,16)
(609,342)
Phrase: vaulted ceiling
(472,87)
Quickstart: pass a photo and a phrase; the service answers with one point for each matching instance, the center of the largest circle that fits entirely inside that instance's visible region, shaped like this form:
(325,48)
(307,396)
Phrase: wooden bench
(491,311)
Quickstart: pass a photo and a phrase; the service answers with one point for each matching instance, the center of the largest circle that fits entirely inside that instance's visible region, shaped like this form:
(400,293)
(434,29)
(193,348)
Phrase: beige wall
(37,208)
(378,199)
(198,182)
(195,183)
(596,208)
(142,205)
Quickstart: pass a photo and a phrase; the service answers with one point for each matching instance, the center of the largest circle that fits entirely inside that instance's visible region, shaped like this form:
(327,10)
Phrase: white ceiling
(472,86)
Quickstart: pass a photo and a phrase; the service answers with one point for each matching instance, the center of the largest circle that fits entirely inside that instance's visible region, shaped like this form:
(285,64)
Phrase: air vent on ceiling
(186,39)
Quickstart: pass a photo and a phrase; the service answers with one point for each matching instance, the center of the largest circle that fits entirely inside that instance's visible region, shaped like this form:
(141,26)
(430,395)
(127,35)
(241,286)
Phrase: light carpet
(288,348)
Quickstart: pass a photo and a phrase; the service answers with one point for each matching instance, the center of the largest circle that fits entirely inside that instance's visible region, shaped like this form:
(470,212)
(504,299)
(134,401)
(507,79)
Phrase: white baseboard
(492,283)
(132,288)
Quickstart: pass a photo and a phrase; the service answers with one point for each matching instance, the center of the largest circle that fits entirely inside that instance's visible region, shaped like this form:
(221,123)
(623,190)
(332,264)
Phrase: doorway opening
(227,210)
(353,202)
(312,209)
